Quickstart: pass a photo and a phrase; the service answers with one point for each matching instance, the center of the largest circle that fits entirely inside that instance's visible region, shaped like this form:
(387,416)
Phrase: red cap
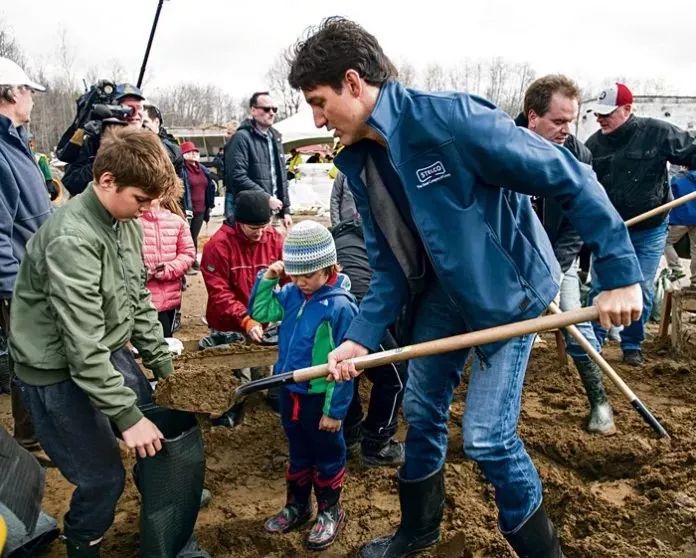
(611,98)
(188,146)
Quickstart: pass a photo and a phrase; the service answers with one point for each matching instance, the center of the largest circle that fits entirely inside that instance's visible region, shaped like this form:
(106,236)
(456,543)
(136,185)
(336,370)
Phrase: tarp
(299,129)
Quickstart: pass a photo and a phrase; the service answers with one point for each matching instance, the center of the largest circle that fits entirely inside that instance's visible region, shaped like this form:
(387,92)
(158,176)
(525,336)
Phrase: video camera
(94,107)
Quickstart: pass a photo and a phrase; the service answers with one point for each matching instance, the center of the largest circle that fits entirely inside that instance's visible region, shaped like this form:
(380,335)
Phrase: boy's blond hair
(136,157)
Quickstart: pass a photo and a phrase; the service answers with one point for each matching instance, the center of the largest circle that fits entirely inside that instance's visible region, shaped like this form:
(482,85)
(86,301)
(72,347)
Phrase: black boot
(422,504)
(389,453)
(82,549)
(601,419)
(536,537)
(297,510)
(331,516)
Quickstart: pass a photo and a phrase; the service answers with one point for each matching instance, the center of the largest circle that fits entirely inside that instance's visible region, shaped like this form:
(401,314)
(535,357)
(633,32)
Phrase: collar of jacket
(94,206)
(250,125)
(9,130)
(623,132)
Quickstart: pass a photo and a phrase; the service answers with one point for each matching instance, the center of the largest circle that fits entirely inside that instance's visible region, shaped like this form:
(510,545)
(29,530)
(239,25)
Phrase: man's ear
(531,119)
(353,82)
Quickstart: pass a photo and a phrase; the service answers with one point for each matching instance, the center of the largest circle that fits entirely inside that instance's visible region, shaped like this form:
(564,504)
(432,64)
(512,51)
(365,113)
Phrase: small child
(316,310)
(168,253)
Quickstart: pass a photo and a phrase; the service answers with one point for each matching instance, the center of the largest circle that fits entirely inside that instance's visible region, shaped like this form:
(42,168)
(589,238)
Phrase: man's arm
(79,174)
(679,147)
(9,264)
(75,297)
(507,156)
(237,165)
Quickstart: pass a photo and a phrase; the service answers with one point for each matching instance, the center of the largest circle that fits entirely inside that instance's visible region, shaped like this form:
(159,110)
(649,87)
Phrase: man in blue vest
(448,220)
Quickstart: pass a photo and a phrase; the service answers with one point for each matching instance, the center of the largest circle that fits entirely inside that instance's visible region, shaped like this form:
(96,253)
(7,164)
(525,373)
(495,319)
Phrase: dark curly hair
(328,51)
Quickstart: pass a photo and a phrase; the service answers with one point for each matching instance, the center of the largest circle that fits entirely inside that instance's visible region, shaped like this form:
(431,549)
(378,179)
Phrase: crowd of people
(447,216)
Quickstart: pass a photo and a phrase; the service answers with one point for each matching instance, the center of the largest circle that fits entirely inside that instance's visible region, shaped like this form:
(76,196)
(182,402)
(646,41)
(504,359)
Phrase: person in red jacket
(168,253)
(231,261)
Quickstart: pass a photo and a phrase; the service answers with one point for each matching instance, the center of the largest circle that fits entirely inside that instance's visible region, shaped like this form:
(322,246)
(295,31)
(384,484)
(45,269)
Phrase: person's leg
(601,418)
(196,226)
(298,477)
(23,427)
(649,245)
(166,318)
(429,389)
(692,253)
(674,235)
(79,440)
(491,439)
(379,427)
(329,457)
(490,431)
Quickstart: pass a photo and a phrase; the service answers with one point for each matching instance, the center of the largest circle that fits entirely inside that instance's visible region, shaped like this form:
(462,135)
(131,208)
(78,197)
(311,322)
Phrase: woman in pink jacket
(169,253)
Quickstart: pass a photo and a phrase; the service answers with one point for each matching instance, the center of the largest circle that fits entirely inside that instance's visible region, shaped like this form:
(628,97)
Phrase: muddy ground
(630,495)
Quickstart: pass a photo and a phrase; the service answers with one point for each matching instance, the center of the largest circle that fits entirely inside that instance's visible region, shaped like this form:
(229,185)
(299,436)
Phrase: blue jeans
(570,300)
(492,411)
(649,245)
(229,205)
(80,441)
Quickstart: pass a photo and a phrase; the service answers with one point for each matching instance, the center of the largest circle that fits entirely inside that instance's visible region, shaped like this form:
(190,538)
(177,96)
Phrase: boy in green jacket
(78,300)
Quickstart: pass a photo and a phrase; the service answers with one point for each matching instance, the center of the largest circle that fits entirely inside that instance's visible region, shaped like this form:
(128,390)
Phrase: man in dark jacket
(442,184)
(550,107)
(254,157)
(630,156)
(24,206)
(682,221)
(375,431)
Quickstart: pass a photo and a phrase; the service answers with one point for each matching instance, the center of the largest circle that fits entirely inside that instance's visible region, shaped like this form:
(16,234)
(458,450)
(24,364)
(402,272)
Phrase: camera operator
(84,143)
(153,121)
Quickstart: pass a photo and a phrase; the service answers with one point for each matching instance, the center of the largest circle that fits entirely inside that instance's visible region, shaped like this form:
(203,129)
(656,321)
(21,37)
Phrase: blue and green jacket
(311,328)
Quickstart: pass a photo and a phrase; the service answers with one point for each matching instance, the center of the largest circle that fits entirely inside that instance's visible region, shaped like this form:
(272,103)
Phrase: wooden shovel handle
(457,342)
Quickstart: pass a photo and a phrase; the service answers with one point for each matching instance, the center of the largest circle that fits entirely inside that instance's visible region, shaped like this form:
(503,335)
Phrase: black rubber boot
(536,537)
(82,549)
(601,420)
(422,504)
(298,509)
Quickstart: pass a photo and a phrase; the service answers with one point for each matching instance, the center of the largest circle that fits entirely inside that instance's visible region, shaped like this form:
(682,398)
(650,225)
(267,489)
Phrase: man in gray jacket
(342,205)
(24,206)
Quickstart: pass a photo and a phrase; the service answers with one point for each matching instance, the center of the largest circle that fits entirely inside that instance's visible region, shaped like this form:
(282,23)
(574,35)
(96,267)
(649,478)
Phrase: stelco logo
(431,173)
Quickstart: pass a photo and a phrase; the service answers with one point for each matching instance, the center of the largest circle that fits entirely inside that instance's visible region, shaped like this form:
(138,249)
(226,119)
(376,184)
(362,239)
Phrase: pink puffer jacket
(168,253)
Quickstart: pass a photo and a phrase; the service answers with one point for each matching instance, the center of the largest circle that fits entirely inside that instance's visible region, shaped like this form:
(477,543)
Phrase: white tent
(299,130)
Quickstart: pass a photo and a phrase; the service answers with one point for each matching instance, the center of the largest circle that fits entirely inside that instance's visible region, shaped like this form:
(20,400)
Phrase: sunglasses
(274,110)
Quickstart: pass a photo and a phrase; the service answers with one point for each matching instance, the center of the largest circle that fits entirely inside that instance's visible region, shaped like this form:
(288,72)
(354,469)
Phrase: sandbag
(170,484)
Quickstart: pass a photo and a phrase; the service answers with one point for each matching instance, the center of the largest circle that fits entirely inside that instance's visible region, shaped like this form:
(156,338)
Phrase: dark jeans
(309,447)
(23,427)
(196,226)
(385,400)
(166,318)
(81,442)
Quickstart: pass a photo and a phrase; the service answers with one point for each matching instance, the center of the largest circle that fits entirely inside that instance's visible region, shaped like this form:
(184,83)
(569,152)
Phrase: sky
(231,44)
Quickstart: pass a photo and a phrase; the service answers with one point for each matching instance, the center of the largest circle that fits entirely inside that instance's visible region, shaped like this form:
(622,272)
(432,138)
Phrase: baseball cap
(611,98)
(128,90)
(12,74)
(187,147)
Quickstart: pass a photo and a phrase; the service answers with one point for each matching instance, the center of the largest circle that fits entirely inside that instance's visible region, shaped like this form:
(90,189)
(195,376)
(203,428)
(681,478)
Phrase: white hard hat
(12,74)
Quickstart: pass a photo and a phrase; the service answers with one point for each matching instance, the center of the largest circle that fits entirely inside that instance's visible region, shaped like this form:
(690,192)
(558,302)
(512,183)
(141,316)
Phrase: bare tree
(9,48)
(407,74)
(434,78)
(277,77)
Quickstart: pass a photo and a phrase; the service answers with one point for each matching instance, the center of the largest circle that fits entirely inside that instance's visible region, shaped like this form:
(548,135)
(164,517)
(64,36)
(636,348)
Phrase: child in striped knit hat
(316,310)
